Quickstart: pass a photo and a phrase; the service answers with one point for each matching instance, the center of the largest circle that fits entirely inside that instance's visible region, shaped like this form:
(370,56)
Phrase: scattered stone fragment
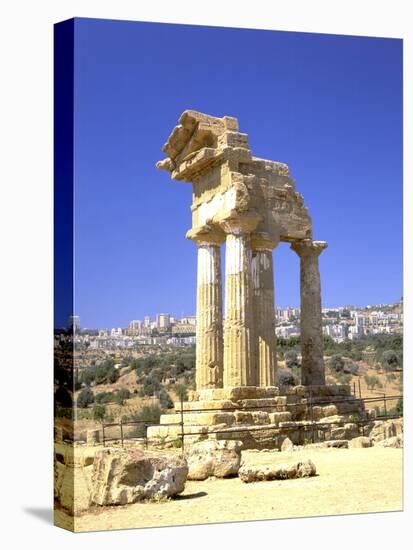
(396,442)
(361,442)
(336,443)
(287,445)
(249,474)
(126,476)
(220,458)
(385,429)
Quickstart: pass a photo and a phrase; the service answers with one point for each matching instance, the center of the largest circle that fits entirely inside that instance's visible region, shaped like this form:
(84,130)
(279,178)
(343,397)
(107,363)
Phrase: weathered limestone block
(334,419)
(200,419)
(277,417)
(319,411)
(92,437)
(172,432)
(260,417)
(338,433)
(72,481)
(329,410)
(218,404)
(395,442)
(214,458)
(312,363)
(233,393)
(287,445)
(361,442)
(275,402)
(249,474)
(348,431)
(350,406)
(336,443)
(384,429)
(243,417)
(126,476)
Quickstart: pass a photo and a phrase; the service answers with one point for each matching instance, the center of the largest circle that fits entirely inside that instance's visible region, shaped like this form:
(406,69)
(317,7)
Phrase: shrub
(336,362)
(285,378)
(104,397)
(85,398)
(99,412)
(121,395)
(372,381)
(165,400)
(291,359)
(181,391)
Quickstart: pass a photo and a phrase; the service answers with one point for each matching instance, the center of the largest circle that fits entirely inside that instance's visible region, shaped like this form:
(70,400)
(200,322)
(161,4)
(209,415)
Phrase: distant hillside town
(341,324)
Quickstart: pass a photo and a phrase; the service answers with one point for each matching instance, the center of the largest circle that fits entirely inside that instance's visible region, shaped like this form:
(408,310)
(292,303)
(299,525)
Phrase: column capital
(307,247)
(206,235)
(240,224)
(263,241)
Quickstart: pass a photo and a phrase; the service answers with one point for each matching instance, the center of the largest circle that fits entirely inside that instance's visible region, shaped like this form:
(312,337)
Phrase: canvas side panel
(63,462)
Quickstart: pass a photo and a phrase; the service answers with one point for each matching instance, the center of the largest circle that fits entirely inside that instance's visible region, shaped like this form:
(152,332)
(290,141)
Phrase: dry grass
(348,481)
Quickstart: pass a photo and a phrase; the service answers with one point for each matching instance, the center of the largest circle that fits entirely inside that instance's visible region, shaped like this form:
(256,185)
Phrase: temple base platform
(263,417)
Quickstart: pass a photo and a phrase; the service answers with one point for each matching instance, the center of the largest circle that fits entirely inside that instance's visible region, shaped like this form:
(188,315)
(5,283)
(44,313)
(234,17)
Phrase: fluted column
(264,313)
(239,348)
(209,342)
(312,364)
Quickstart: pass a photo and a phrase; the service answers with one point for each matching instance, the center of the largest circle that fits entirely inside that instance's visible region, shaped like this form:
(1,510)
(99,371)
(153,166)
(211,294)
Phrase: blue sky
(329,106)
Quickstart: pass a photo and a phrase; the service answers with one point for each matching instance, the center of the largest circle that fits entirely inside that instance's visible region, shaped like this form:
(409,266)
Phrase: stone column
(264,312)
(239,345)
(209,339)
(312,364)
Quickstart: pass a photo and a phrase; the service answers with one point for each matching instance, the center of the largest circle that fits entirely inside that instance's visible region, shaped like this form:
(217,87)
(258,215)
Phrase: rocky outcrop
(214,458)
(249,474)
(126,476)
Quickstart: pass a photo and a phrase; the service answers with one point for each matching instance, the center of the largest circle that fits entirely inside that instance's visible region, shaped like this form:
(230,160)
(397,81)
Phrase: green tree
(390,360)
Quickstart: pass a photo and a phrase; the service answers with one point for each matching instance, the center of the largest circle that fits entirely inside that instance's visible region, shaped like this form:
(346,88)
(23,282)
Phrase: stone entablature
(250,204)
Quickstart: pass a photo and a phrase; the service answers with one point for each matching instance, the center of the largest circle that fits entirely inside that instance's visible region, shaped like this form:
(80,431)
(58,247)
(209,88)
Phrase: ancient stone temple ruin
(251,205)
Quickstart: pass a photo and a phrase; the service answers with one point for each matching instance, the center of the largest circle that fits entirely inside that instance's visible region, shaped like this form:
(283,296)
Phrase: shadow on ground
(190,496)
(44,514)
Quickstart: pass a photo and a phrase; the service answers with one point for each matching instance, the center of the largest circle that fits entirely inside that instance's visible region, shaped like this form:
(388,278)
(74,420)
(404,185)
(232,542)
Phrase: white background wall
(26,266)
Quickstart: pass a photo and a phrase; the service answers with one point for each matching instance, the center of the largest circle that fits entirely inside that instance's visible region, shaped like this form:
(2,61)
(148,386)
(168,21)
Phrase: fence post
(145,431)
(103,434)
(385,405)
(359,387)
(182,424)
(121,432)
(354,389)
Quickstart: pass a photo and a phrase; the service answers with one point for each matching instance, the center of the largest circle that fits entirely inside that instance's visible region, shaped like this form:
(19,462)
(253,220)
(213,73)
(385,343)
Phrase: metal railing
(311,426)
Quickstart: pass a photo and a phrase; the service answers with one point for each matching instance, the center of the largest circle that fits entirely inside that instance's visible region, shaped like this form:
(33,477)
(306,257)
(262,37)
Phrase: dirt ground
(348,481)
